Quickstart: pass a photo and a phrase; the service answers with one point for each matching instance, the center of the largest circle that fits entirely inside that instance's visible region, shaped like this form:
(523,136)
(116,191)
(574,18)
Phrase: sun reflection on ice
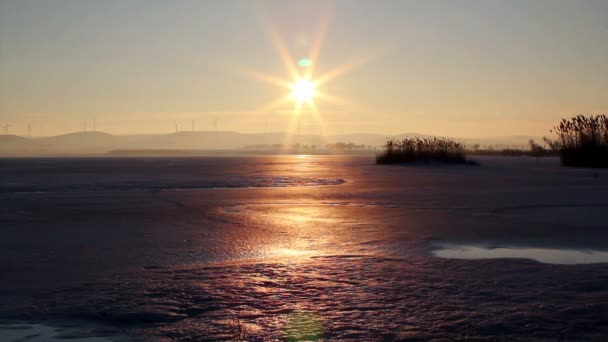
(291,252)
(293,231)
(307,225)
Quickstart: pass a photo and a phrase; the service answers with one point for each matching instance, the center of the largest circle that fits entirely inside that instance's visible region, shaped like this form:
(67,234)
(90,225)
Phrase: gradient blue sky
(457,68)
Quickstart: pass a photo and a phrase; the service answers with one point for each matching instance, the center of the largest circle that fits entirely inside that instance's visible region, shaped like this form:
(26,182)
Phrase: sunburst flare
(302,85)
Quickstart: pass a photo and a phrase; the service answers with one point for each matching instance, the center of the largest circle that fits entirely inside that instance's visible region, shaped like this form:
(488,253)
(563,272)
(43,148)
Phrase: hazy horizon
(24,135)
(466,69)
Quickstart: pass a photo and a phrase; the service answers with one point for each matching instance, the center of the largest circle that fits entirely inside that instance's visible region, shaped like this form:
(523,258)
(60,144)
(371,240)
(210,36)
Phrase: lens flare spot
(304,63)
(304,326)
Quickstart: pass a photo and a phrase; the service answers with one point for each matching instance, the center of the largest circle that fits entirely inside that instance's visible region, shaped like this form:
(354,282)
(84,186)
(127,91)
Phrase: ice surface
(46,333)
(348,260)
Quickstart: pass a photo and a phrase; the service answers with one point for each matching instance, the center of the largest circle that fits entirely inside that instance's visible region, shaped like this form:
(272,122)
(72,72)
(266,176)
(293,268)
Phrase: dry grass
(424,150)
(582,141)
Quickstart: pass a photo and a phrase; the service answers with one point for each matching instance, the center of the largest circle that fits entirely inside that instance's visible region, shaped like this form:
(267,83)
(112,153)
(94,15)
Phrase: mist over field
(100,143)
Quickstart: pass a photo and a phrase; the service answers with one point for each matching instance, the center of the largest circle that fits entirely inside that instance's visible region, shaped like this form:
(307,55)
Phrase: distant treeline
(337,147)
(534,150)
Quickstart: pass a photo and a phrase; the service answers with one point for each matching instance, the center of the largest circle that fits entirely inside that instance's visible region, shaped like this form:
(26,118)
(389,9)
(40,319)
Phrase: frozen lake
(304,247)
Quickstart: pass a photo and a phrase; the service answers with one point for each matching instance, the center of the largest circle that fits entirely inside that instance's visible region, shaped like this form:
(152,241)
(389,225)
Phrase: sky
(459,68)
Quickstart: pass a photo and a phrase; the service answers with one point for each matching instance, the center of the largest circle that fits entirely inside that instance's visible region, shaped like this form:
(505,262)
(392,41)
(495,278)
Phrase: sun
(303,90)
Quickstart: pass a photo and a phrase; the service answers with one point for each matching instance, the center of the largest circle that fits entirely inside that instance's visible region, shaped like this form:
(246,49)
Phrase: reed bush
(422,149)
(582,141)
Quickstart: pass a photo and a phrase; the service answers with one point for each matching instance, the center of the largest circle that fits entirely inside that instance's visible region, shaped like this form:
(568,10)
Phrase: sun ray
(313,55)
(281,48)
(336,100)
(342,69)
(291,128)
(316,114)
(297,108)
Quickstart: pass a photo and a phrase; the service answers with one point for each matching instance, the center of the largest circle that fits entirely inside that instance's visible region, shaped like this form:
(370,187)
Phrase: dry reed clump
(582,141)
(422,149)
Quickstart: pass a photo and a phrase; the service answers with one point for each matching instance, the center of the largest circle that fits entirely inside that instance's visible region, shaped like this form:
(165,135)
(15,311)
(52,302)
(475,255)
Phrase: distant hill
(99,142)
(11,139)
(14,145)
(88,142)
